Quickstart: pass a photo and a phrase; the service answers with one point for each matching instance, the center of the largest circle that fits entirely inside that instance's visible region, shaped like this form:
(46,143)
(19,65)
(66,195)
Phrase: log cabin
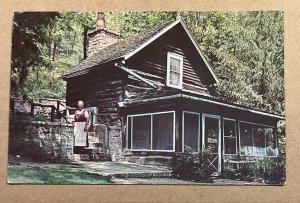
(155,87)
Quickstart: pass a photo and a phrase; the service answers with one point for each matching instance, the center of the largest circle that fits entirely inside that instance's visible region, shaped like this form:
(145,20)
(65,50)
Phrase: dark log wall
(151,63)
(102,87)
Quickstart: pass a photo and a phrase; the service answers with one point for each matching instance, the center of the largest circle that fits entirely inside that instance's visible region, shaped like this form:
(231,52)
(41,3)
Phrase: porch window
(153,131)
(163,131)
(246,140)
(230,140)
(191,131)
(257,140)
(270,142)
(174,70)
(141,132)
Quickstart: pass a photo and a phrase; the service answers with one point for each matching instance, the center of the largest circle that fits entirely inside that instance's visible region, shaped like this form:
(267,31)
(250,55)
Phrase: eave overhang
(196,98)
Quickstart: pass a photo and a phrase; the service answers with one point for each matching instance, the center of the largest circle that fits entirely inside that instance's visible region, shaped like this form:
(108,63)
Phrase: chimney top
(100,20)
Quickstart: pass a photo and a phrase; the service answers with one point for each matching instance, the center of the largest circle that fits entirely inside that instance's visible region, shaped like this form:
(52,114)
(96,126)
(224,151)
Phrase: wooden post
(92,121)
(52,113)
(222,145)
(57,108)
(32,109)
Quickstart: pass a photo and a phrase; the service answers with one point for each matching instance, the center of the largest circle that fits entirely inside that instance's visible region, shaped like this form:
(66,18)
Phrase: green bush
(245,171)
(270,170)
(229,174)
(192,166)
(277,173)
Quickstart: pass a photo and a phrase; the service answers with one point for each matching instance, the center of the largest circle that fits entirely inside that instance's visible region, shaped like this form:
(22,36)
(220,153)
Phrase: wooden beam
(135,75)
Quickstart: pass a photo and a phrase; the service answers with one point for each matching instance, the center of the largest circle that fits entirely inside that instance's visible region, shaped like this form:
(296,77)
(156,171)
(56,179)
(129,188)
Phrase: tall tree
(246,51)
(28,35)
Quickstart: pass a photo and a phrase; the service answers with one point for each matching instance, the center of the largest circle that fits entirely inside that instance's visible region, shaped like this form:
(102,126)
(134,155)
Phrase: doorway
(211,138)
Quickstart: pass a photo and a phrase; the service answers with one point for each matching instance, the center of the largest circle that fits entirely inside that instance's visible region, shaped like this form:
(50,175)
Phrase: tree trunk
(37,74)
(73,42)
(85,30)
(53,51)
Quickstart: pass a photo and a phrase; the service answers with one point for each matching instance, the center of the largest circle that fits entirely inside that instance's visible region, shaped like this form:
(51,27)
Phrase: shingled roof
(119,49)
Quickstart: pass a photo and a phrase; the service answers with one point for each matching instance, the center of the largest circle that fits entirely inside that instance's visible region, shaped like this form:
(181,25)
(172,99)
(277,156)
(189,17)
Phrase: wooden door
(211,138)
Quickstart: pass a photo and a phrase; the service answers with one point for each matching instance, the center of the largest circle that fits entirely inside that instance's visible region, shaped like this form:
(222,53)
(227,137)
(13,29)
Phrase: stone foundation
(42,141)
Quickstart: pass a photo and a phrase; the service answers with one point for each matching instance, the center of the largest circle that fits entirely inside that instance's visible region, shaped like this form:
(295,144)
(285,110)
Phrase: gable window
(174,70)
(153,131)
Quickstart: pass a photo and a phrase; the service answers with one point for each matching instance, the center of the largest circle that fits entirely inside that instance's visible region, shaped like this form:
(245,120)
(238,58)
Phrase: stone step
(91,150)
(92,157)
(96,145)
(150,160)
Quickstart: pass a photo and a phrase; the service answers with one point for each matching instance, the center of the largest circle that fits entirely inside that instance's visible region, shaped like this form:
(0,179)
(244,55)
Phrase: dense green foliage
(192,166)
(271,171)
(45,46)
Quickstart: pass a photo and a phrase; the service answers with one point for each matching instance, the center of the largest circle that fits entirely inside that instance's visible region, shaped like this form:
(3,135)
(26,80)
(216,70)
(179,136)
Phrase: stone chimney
(101,37)
(100,20)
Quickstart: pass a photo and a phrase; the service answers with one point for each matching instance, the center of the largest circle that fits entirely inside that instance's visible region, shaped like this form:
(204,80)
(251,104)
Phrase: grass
(53,174)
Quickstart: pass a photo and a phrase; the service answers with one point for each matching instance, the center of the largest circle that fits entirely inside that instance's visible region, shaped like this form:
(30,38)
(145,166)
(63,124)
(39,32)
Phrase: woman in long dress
(81,123)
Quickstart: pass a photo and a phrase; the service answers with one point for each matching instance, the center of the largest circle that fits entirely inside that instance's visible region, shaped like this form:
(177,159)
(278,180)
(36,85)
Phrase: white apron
(80,135)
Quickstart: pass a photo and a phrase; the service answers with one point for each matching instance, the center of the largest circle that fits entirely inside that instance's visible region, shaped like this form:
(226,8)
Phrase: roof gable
(127,48)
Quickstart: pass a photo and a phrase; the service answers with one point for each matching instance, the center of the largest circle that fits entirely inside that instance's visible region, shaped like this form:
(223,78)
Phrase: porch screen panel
(270,142)
(246,140)
(230,136)
(163,125)
(212,133)
(191,131)
(141,132)
(259,141)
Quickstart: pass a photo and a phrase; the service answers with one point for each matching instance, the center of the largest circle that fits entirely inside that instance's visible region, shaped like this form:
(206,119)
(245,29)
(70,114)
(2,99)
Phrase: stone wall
(53,142)
(115,143)
(42,141)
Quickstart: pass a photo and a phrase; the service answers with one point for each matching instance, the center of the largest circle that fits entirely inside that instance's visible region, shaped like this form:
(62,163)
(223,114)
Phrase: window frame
(199,129)
(263,125)
(236,135)
(151,126)
(180,58)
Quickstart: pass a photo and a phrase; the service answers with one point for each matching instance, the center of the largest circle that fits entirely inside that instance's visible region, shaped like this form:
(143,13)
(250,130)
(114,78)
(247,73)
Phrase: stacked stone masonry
(53,142)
